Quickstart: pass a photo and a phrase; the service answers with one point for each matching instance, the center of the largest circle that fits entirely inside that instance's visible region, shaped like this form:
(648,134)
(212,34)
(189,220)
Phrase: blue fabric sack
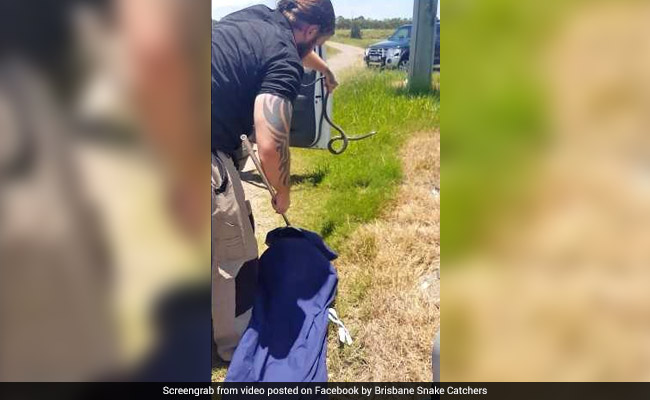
(286,340)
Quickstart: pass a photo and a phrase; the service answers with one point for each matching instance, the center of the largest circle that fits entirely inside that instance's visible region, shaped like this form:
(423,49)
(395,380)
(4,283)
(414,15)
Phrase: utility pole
(422,44)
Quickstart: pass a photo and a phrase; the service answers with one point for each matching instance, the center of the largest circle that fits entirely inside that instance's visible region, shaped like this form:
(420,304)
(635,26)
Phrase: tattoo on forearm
(277,112)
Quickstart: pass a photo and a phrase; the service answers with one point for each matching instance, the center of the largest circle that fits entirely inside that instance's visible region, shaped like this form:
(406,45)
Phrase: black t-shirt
(253,52)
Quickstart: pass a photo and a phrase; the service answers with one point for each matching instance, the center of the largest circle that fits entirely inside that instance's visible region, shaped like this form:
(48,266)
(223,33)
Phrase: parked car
(394,52)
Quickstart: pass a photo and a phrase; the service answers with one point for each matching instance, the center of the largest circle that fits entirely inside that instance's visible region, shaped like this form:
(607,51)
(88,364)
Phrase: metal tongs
(249,149)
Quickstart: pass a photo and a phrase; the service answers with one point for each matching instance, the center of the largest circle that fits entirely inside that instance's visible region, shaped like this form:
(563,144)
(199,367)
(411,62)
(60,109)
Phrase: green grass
(332,195)
(369,36)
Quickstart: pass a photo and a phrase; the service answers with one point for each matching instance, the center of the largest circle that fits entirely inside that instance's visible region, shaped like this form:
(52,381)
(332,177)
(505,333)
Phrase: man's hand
(282,202)
(313,61)
(330,80)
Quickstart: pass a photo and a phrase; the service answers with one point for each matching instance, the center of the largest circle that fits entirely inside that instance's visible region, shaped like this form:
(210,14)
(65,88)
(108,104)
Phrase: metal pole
(422,44)
(258,165)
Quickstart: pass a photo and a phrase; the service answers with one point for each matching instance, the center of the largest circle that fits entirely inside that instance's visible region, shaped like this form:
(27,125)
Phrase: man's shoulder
(255,13)
(259,24)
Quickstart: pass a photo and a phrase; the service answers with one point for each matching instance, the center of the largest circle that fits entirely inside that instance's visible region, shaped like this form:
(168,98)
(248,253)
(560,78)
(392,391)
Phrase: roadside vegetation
(389,279)
(369,23)
(332,195)
(369,36)
(376,206)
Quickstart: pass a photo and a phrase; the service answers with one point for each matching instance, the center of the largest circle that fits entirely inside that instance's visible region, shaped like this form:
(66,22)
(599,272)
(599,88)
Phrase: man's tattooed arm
(272,125)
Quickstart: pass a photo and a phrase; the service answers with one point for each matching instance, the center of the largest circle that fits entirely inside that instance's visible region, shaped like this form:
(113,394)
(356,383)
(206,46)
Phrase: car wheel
(403,65)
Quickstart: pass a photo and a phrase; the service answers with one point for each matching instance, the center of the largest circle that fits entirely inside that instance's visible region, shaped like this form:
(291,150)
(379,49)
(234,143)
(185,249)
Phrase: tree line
(369,23)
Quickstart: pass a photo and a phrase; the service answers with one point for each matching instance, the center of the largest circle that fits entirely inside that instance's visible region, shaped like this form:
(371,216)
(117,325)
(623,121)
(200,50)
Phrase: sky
(376,9)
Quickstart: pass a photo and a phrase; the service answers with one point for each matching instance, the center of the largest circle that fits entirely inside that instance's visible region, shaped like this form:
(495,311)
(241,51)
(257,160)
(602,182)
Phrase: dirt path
(349,56)
(265,217)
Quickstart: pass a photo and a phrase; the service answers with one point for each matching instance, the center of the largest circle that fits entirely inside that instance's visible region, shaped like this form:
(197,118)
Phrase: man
(258,56)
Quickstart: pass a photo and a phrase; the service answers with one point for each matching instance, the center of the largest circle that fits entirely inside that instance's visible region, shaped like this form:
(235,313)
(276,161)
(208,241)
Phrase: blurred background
(546,182)
(104,243)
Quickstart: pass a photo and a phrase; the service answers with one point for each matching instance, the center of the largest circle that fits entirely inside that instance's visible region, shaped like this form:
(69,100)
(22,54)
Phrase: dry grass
(389,290)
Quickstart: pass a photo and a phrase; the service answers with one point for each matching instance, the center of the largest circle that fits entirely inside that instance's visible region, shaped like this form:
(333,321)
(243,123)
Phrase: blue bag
(286,340)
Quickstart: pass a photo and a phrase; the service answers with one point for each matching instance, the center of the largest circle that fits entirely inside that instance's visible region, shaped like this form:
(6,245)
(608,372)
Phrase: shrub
(355,31)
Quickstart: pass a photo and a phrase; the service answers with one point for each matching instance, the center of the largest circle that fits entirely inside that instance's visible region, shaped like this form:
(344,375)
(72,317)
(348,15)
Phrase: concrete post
(422,44)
